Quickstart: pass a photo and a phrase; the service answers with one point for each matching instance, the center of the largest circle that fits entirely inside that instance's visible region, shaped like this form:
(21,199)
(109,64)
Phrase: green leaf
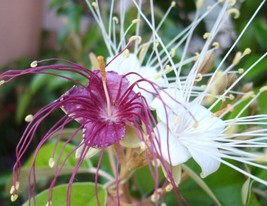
(22,105)
(146,183)
(258,73)
(82,194)
(223,183)
(262,102)
(42,169)
(61,153)
(39,81)
(201,183)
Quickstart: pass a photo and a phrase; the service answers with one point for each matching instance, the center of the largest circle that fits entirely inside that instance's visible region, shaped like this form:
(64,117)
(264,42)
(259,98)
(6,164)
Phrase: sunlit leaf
(82,194)
(42,169)
(201,183)
(23,103)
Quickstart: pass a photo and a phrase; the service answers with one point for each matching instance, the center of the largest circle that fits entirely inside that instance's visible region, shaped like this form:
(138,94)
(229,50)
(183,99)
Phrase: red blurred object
(20,29)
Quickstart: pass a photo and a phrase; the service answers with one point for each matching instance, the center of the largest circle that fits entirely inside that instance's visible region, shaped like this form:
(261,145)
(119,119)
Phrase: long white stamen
(235,43)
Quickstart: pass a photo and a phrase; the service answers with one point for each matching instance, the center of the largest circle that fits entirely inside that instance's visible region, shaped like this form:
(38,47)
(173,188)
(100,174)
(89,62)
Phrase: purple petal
(103,134)
(116,84)
(74,103)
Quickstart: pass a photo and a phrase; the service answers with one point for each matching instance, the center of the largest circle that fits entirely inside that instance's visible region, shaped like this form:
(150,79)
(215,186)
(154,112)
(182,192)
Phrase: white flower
(200,116)
(195,124)
(128,52)
(189,131)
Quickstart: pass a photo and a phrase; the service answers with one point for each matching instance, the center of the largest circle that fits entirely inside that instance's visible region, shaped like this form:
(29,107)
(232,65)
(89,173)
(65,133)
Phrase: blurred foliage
(30,93)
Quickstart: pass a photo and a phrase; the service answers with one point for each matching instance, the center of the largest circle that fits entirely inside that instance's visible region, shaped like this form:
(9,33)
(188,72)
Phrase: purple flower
(104,123)
(104,109)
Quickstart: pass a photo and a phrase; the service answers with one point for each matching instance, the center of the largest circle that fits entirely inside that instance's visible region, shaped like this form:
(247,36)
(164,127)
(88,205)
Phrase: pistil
(104,78)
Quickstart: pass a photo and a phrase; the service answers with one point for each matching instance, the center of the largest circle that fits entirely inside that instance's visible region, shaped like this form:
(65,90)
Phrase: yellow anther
(156,163)
(216,45)
(136,21)
(168,188)
(156,44)
(94,4)
(159,190)
(235,12)
(209,8)
(34,64)
(157,76)
(263,89)
(240,71)
(173,52)
(206,35)
(232,97)
(232,2)
(167,69)
(2,82)
(237,58)
(154,198)
(126,53)
(14,197)
(28,118)
(196,56)
(51,162)
(173,4)
(247,51)
(198,77)
(138,39)
(12,189)
(199,3)
(115,19)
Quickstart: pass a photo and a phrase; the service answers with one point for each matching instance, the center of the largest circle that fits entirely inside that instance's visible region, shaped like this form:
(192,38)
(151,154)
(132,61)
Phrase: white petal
(166,103)
(205,160)
(169,144)
(207,121)
(146,91)
(123,65)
